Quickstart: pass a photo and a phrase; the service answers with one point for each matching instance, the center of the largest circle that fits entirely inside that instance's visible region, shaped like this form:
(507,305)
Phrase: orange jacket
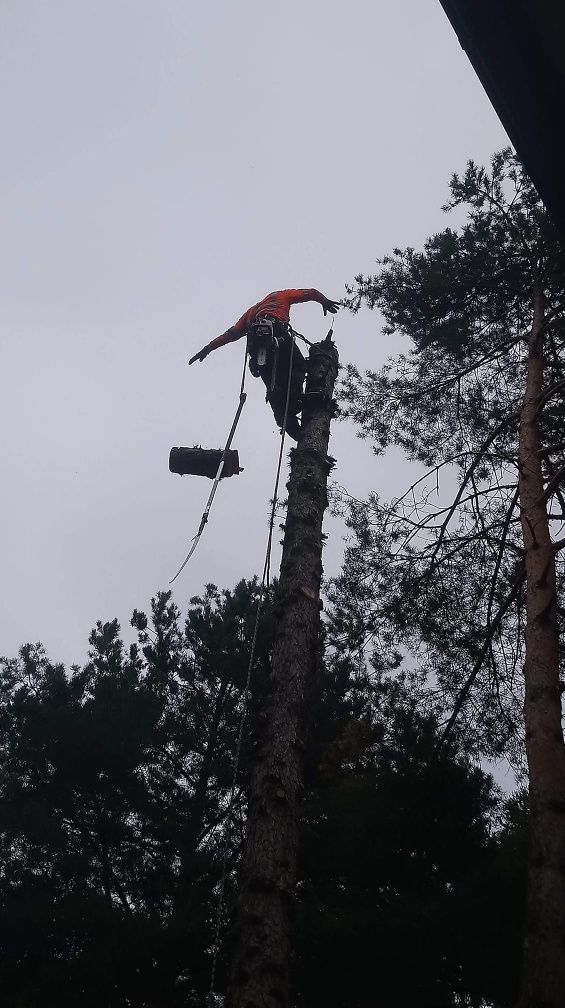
(276,305)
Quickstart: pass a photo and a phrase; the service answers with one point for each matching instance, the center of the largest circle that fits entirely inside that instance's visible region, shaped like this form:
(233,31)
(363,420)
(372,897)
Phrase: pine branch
(478,456)
(552,486)
(552,473)
(503,347)
(547,395)
(464,693)
(502,546)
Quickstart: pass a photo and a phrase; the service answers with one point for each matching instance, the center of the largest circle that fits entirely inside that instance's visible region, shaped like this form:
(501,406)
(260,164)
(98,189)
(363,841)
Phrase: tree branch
(479,455)
(513,594)
(503,347)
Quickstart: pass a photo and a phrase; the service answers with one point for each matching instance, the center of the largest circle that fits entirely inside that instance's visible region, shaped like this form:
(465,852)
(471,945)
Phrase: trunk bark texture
(260,967)
(543,974)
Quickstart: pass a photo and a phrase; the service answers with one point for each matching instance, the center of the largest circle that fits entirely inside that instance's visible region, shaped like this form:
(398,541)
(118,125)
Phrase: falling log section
(261,961)
(203,462)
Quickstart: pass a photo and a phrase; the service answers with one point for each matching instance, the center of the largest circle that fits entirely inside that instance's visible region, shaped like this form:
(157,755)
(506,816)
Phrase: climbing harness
(204,519)
(263,587)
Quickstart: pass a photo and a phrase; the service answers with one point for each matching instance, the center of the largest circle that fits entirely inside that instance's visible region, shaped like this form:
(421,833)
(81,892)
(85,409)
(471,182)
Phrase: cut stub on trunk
(203,462)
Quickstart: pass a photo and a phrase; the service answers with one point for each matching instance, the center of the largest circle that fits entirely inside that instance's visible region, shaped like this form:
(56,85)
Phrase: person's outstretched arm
(235,332)
(301,295)
(229,336)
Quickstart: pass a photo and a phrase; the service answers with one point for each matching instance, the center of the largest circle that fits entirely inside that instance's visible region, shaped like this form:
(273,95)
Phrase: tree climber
(269,344)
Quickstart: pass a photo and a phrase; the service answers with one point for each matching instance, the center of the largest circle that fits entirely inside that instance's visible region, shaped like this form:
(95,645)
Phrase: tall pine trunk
(260,969)
(543,975)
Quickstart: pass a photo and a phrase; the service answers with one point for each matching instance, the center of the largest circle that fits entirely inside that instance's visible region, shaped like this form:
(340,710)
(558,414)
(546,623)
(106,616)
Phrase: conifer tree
(110,858)
(476,576)
(114,780)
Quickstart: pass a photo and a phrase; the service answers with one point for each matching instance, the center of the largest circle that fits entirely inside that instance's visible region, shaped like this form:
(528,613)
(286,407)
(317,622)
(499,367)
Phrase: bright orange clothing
(276,305)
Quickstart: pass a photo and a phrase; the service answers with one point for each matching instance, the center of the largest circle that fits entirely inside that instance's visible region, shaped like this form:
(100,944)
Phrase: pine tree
(479,396)
(109,858)
(113,787)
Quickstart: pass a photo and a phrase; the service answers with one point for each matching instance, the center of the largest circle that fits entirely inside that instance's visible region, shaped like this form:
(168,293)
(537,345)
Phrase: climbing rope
(263,587)
(204,519)
(298,335)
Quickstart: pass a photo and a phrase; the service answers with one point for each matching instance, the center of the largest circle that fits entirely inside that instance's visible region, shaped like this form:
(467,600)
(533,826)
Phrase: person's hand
(198,357)
(331,306)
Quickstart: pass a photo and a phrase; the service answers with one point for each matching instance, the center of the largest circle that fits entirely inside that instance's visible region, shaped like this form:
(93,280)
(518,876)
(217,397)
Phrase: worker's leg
(277,404)
(277,397)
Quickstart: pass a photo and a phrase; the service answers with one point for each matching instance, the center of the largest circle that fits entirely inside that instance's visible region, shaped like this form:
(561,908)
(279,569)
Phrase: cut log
(203,462)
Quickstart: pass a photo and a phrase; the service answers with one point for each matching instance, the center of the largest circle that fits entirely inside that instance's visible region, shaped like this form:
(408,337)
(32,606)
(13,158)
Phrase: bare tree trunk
(543,975)
(260,969)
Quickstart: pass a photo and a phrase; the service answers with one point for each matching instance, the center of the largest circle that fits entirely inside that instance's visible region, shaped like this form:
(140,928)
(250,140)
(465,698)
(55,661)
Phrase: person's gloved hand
(199,356)
(331,306)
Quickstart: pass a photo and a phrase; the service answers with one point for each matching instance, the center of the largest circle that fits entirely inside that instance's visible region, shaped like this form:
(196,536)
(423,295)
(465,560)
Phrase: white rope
(204,519)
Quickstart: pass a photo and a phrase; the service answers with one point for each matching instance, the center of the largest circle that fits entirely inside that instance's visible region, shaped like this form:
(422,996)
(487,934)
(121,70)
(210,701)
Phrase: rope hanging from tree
(204,519)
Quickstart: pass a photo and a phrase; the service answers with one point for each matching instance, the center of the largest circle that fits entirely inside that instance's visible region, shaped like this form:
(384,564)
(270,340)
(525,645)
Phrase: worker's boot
(293,427)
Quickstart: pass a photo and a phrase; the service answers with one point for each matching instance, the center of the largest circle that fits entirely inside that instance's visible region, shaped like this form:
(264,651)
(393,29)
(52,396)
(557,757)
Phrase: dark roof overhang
(517,48)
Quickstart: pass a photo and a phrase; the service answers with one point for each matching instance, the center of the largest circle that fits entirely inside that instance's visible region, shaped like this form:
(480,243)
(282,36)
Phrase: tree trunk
(543,974)
(260,968)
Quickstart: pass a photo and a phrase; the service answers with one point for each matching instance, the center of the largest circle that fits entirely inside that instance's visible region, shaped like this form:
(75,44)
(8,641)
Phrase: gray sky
(166,164)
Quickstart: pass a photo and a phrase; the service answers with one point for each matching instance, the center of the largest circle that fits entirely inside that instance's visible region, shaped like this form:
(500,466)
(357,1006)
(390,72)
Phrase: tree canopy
(465,568)
(440,567)
(114,779)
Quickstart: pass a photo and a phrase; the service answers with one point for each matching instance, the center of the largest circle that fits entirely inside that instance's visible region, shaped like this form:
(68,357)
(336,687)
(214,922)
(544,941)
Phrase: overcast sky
(164,165)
